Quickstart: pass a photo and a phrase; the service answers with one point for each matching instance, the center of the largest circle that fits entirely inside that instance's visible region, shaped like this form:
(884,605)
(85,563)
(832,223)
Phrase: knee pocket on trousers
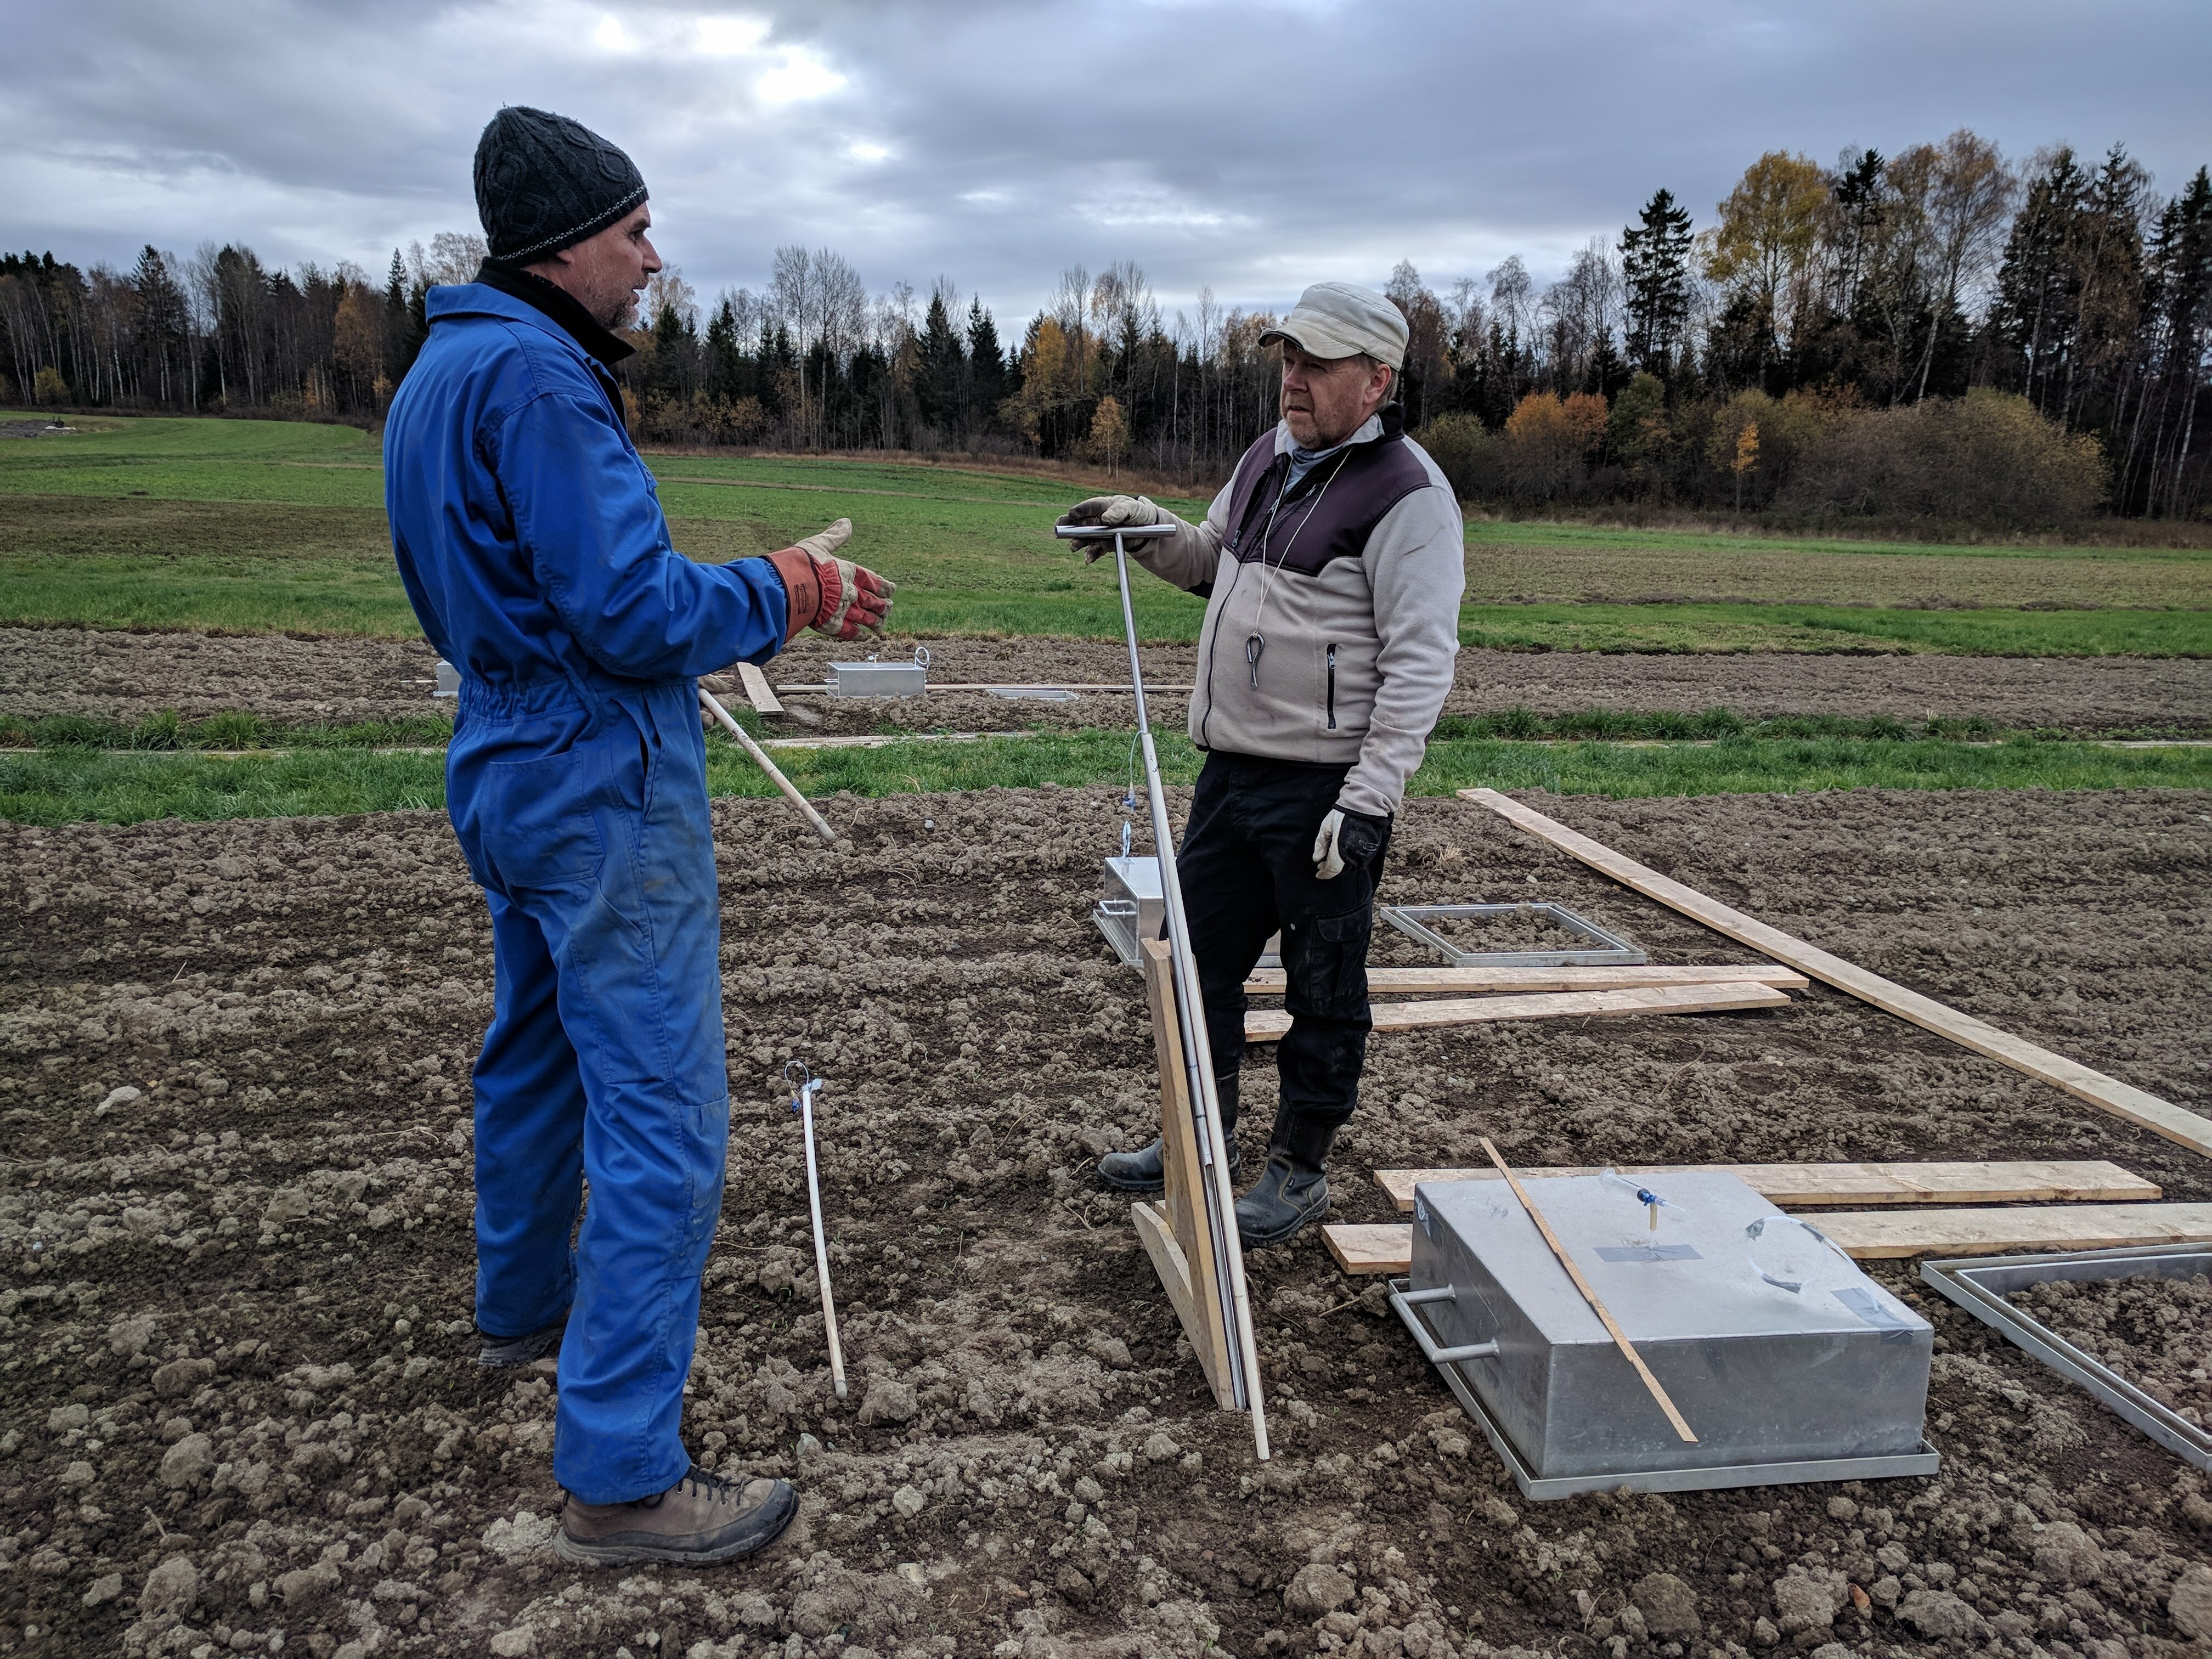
(1328,971)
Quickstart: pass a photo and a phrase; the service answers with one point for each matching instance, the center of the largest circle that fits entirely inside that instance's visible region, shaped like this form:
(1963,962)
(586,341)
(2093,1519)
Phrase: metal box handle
(1404,1302)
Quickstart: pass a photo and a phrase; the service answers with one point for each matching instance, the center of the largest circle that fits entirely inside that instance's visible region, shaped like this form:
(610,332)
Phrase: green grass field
(258,525)
(67,786)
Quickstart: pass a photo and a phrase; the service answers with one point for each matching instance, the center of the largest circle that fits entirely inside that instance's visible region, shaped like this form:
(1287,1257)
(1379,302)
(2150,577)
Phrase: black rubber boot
(1141,1172)
(1292,1191)
(505,1352)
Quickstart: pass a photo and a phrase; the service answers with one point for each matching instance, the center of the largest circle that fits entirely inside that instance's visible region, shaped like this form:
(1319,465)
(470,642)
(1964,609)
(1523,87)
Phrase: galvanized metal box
(1131,910)
(1826,1383)
(879,679)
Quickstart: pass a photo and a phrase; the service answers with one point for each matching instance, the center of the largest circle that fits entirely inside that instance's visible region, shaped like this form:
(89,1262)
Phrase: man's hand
(1347,841)
(1115,513)
(834,597)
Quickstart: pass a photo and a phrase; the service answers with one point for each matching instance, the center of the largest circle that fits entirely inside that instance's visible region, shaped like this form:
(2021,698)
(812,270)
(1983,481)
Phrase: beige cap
(1335,320)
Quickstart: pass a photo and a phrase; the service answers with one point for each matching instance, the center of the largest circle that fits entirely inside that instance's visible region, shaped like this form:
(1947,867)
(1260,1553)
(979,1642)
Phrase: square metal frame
(1541,1489)
(1980,1285)
(1606,949)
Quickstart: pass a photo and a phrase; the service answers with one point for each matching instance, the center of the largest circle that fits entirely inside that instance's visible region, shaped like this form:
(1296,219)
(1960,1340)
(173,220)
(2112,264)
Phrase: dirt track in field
(234,1354)
(339,682)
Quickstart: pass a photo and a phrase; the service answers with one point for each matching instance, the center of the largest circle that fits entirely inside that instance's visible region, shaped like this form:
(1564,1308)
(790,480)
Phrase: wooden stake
(1619,1339)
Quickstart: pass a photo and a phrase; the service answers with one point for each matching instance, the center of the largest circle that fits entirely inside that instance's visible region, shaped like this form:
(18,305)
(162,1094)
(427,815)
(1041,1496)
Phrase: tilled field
(2156,1333)
(128,677)
(235,1366)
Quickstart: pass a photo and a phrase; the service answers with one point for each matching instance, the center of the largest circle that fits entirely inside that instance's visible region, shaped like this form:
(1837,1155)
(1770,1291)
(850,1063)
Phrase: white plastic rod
(760,755)
(1190,1018)
(806,1092)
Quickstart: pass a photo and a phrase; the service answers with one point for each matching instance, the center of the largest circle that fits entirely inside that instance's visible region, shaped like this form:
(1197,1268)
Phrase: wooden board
(756,689)
(1361,1249)
(1875,1235)
(1879,1235)
(1814,1186)
(1268,1025)
(1172,1230)
(2108,1094)
(1446,982)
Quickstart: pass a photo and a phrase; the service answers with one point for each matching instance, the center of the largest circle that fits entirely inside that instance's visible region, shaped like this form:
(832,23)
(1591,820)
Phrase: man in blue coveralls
(532,542)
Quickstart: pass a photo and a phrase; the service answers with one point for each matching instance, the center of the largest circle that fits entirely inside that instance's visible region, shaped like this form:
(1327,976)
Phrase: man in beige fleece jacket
(1332,564)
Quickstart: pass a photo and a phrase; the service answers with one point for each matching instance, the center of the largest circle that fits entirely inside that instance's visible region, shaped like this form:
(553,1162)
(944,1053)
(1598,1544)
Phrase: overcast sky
(1251,148)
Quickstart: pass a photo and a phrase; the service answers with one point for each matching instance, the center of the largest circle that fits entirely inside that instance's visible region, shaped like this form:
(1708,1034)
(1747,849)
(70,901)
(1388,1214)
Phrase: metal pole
(1190,1018)
(806,1092)
(760,755)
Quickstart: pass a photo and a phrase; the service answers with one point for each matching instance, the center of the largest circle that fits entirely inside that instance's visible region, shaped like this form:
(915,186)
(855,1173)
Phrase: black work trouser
(1247,867)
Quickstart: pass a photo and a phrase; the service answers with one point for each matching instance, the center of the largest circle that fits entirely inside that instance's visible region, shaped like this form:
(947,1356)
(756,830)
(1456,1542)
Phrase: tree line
(1939,333)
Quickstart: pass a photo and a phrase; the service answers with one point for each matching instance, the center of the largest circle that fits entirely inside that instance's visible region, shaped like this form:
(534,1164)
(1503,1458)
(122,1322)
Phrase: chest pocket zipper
(1332,688)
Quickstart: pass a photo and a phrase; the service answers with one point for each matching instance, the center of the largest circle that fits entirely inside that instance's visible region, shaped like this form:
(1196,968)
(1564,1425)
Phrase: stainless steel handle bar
(1190,1015)
(1404,1302)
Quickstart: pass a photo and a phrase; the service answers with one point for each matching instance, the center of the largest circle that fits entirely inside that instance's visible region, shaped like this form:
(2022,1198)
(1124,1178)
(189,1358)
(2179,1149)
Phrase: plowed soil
(337,682)
(2156,1333)
(236,1369)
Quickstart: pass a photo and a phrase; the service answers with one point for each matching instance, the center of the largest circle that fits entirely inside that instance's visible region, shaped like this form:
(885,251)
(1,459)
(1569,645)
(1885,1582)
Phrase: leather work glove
(1115,513)
(834,597)
(1347,841)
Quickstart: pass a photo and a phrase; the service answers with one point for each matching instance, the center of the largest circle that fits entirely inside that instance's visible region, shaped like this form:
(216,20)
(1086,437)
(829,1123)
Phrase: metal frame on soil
(1241,1347)
(1542,1489)
(1611,951)
(1980,1287)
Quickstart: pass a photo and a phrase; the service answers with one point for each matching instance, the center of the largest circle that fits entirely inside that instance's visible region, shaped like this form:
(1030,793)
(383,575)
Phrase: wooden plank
(1876,1235)
(1814,1186)
(1268,1025)
(1881,1235)
(1182,1211)
(756,689)
(1445,981)
(2108,1094)
(1361,1248)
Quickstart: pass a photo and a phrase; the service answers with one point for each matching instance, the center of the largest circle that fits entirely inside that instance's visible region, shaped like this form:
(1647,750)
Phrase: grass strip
(80,785)
(229,729)
(1864,629)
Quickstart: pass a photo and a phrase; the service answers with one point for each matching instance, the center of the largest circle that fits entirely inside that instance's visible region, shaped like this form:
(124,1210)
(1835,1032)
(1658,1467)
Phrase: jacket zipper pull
(1332,688)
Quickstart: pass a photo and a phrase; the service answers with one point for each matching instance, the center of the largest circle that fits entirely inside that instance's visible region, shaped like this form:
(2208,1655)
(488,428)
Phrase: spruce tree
(986,368)
(937,387)
(1655,271)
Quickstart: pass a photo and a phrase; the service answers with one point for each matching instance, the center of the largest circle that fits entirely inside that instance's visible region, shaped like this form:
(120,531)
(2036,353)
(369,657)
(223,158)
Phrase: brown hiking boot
(702,1517)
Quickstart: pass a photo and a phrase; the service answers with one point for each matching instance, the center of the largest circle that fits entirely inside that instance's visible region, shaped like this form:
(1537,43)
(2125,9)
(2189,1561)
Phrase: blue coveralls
(532,542)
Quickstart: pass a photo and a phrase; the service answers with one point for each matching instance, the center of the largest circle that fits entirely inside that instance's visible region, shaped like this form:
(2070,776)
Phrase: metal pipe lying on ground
(760,756)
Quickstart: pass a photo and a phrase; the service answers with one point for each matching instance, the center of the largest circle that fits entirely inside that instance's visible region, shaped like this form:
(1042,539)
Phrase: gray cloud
(1252,147)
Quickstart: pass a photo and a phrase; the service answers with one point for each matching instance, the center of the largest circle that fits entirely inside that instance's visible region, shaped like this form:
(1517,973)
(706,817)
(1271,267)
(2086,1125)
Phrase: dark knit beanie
(544,183)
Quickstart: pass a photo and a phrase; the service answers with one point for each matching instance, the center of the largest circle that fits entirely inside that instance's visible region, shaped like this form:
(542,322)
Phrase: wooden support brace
(2122,1100)
(1814,1186)
(1269,1024)
(1174,1231)
(1474,981)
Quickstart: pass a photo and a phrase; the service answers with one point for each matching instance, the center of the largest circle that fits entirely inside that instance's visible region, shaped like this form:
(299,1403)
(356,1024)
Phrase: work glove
(1115,513)
(834,597)
(1347,841)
